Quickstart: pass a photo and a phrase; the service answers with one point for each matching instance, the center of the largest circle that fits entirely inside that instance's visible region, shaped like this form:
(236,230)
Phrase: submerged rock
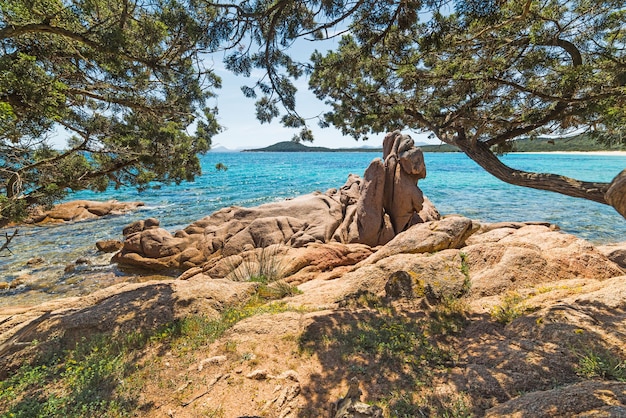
(79,210)
(109,245)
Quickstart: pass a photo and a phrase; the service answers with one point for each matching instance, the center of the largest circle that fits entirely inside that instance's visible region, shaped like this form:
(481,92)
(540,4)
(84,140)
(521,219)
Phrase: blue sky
(243,130)
(237,113)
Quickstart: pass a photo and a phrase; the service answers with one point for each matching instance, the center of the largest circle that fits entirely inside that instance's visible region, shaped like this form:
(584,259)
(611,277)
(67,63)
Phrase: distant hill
(221,148)
(439,148)
(289,146)
(579,143)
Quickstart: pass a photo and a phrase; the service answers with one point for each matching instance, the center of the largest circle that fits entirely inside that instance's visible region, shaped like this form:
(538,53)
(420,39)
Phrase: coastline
(599,153)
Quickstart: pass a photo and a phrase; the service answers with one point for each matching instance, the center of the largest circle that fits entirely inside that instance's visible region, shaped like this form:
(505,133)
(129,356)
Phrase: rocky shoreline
(390,305)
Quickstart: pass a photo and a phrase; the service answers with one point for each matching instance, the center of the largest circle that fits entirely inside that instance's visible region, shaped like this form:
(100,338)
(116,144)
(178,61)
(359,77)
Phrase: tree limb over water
(130,83)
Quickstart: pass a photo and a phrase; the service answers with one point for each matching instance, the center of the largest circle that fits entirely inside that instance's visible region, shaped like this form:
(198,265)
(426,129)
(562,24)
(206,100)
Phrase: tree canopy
(476,74)
(123,78)
(480,74)
(127,79)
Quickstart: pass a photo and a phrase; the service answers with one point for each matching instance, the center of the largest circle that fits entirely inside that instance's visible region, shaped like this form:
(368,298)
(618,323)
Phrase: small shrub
(404,407)
(83,381)
(449,316)
(277,290)
(467,282)
(510,308)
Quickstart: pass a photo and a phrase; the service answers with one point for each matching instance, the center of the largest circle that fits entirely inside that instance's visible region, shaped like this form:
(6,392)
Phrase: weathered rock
(404,166)
(350,406)
(488,364)
(505,258)
(437,279)
(109,245)
(428,237)
(79,210)
(120,308)
(434,275)
(368,211)
(584,399)
(35,261)
(139,226)
(298,265)
(615,252)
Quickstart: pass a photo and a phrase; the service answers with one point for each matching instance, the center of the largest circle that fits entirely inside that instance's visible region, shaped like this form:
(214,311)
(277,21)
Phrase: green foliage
(488,77)
(265,268)
(601,364)
(404,406)
(120,78)
(448,317)
(387,338)
(393,349)
(97,377)
(467,282)
(512,307)
(83,381)
(127,79)
(477,75)
(193,332)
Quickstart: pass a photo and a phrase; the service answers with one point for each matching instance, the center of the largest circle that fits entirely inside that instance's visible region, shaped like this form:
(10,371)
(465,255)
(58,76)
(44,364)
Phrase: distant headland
(576,144)
(290,146)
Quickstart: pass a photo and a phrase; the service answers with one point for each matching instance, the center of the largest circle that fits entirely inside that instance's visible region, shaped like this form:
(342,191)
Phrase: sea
(454,183)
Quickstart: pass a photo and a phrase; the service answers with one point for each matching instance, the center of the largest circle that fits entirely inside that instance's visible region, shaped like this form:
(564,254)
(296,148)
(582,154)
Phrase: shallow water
(455,184)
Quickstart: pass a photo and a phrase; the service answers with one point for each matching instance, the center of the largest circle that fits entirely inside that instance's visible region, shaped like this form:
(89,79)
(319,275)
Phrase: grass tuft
(601,364)
(265,267)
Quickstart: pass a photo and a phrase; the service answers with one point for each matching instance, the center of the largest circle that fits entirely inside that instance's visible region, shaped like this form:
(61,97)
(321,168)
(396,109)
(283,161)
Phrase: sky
(243,130)
(236,113)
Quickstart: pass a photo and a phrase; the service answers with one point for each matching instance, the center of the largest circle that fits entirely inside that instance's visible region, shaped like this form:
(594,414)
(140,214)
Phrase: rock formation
(371,210)
(79,210)
(409,325)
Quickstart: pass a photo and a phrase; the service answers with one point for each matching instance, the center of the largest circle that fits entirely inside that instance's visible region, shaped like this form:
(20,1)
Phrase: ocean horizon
(454,183)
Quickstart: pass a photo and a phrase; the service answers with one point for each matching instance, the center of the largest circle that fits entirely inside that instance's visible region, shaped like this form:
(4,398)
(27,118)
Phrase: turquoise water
(454,184)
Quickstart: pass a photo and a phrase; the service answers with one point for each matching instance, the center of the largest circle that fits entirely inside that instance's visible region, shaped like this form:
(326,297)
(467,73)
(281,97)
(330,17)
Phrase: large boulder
(428,237)
(516,255)
(584,399)
(371,210)
(615,252)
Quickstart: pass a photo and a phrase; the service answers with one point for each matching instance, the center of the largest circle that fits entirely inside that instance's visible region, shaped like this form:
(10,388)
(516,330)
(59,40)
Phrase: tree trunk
(616,195)
(484,157)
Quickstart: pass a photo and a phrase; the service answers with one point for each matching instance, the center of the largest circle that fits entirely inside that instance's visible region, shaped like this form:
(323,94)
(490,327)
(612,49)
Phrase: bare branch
(8,238)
